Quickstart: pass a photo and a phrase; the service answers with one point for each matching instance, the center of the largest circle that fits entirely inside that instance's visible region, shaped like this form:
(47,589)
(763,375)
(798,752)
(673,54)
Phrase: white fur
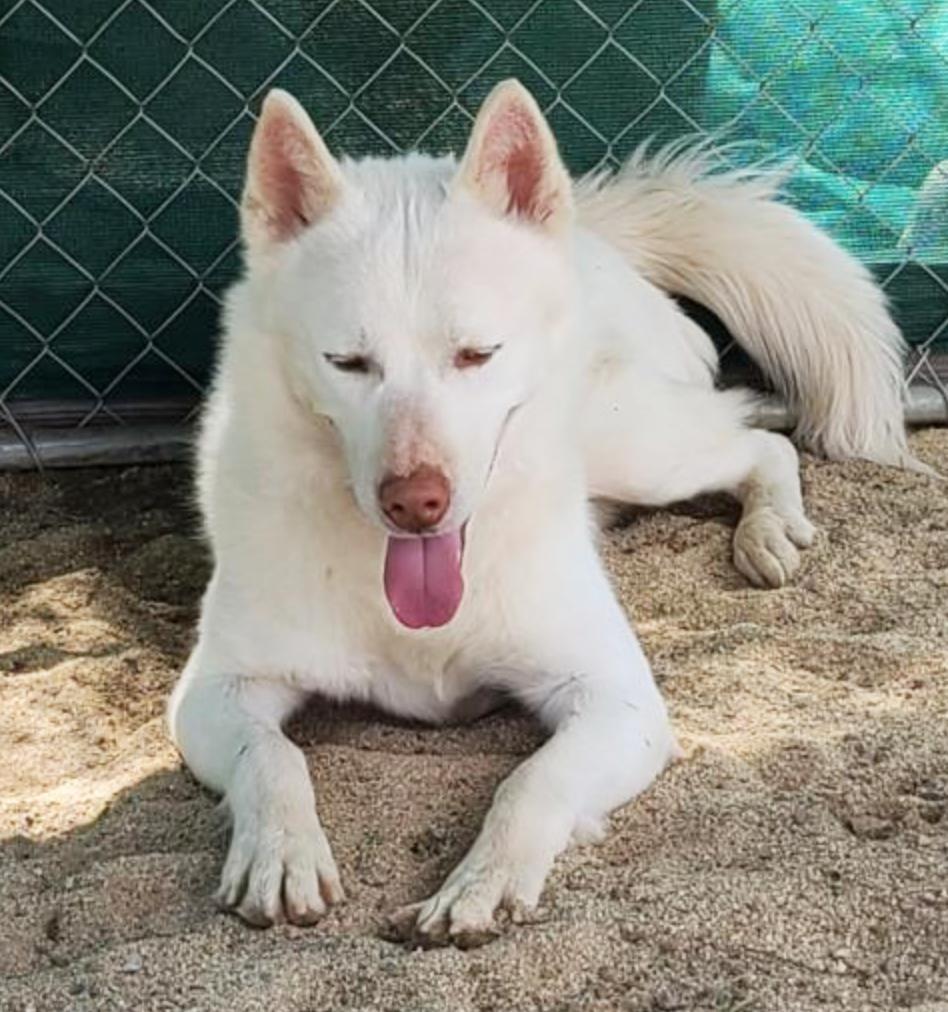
(601,387)
(809,313)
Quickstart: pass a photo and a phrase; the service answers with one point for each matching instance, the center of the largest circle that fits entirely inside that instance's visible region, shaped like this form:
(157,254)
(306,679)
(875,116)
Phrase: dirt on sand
(796,859)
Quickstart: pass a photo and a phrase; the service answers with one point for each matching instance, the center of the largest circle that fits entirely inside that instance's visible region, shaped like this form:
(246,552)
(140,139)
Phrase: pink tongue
(423,579)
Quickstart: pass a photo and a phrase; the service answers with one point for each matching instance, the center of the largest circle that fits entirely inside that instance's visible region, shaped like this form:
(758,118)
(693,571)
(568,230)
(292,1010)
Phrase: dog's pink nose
(417,502)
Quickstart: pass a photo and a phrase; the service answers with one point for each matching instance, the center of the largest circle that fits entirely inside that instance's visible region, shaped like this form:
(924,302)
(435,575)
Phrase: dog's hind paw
(278,871)
(766,543)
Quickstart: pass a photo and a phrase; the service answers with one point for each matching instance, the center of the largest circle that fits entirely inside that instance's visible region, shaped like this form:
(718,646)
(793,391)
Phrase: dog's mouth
(423,581)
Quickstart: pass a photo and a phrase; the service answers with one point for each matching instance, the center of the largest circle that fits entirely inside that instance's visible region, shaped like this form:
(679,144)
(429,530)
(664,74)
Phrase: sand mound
(797,859)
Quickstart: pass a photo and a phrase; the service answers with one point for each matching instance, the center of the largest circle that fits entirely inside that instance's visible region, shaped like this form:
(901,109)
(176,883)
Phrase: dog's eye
(351,363)
(472,358)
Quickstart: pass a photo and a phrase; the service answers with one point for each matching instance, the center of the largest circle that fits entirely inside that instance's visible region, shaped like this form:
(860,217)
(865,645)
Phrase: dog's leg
(279,865)
(653,442)
(773,524)
(611,739)
(605,751)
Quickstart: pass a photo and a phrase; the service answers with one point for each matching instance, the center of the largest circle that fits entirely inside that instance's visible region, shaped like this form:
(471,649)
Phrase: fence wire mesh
(124,125)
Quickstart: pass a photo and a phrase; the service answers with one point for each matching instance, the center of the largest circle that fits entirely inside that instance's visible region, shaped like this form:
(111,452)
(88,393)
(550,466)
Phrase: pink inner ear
(284,183)
(513,148)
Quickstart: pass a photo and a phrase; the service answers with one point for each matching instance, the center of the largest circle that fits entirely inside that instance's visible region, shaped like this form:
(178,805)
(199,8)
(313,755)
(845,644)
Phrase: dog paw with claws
(466,920)
(487,891)
(766,543)
(279,869)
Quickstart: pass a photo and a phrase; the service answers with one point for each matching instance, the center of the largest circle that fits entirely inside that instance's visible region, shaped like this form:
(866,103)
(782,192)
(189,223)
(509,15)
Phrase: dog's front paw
(462,913)
(766,543)
(464,910)
(279,868)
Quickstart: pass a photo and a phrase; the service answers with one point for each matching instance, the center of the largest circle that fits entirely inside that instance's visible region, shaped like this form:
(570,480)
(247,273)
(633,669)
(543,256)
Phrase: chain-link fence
(124,126)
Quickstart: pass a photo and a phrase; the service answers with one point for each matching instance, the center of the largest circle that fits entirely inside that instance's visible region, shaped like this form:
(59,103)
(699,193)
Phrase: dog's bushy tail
(803,308)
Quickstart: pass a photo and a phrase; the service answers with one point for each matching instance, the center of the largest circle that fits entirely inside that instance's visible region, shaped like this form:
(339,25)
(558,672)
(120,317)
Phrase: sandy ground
(796,859)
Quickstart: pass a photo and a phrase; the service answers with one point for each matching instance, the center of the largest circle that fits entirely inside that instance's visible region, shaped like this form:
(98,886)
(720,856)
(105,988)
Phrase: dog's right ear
(292,179)
(512,164)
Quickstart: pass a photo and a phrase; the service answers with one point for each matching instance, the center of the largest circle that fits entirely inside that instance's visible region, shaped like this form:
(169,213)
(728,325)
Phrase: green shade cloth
(123,129)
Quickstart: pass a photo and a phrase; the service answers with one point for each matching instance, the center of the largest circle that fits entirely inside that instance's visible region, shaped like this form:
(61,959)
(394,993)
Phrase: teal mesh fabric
(124,124)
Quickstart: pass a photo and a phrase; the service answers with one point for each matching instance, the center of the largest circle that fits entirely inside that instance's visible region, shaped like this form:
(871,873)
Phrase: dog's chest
(428,679)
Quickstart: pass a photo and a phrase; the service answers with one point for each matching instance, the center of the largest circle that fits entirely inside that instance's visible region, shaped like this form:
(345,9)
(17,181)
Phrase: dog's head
(420,303)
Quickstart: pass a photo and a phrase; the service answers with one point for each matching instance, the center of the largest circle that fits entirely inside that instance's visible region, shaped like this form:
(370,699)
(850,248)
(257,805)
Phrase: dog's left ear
(512,163)
(292,179)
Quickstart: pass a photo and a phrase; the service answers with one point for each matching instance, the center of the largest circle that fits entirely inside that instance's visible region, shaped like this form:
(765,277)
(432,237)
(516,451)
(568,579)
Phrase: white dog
(428,370)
